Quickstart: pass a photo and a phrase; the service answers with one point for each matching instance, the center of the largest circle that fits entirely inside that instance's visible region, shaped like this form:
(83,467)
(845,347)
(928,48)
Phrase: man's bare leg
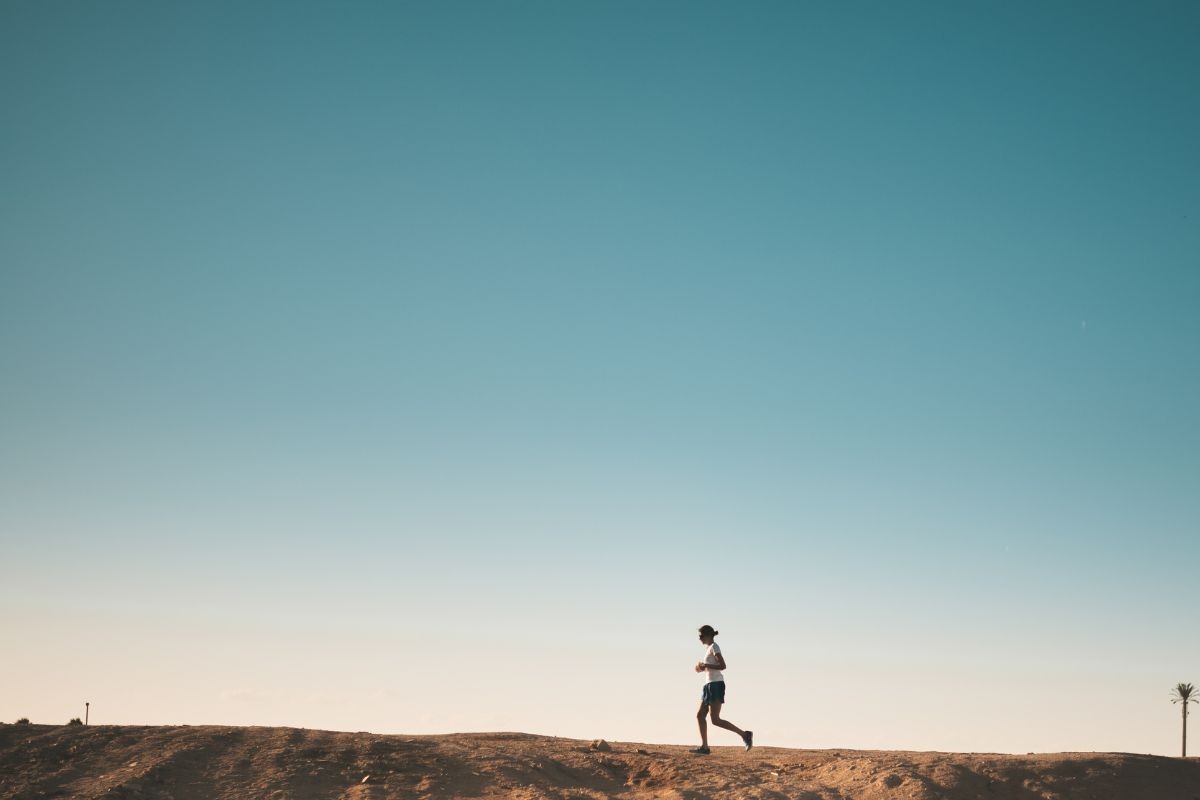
(722,723)
(700,715)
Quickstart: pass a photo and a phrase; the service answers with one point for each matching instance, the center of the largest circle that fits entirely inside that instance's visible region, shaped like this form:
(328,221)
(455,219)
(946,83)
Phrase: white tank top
(710,657)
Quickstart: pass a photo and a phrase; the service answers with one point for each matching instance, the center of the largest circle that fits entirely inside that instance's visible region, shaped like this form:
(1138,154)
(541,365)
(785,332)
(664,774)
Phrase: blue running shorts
(714,692)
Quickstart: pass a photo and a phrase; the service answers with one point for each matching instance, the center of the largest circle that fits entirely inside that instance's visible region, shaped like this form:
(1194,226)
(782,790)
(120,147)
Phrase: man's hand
(701,666)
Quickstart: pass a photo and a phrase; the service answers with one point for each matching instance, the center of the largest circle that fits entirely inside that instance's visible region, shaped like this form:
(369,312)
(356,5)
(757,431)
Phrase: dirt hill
(41,761)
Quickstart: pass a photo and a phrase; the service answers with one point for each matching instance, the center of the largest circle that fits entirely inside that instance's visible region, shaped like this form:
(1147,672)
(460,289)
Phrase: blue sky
(388,337)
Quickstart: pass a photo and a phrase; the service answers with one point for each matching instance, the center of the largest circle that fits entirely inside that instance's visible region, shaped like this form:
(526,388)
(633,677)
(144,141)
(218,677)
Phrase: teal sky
(433,367)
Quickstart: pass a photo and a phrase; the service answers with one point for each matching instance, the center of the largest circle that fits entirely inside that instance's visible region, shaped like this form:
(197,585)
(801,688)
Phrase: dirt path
(193,763)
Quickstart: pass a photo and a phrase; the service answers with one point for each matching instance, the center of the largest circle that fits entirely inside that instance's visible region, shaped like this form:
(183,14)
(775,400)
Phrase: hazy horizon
(437,368)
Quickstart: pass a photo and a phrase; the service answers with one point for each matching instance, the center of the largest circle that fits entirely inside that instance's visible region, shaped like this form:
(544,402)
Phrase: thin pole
(86,708)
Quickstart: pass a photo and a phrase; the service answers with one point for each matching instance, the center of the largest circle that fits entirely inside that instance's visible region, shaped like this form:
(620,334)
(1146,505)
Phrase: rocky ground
(187,763)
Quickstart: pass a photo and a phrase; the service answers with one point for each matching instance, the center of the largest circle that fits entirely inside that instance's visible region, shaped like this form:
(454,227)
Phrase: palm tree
(1184,694)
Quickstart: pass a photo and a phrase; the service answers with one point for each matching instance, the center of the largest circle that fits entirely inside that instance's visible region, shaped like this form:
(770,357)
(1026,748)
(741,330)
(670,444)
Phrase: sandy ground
(39,761)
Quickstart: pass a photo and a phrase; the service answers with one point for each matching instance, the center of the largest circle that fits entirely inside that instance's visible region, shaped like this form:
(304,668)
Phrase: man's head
(707,633)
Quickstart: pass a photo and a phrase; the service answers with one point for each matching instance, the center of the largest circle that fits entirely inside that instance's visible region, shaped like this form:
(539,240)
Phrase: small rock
(642,752)
(602,746)
(365,778)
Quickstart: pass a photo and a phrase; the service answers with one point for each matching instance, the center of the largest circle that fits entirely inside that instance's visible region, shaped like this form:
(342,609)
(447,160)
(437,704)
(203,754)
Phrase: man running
(713,696)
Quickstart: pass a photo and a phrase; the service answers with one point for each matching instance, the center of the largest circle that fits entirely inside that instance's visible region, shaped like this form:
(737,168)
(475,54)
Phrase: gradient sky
(441,367)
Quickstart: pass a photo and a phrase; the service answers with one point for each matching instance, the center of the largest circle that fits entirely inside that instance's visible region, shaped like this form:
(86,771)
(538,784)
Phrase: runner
(713,696)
